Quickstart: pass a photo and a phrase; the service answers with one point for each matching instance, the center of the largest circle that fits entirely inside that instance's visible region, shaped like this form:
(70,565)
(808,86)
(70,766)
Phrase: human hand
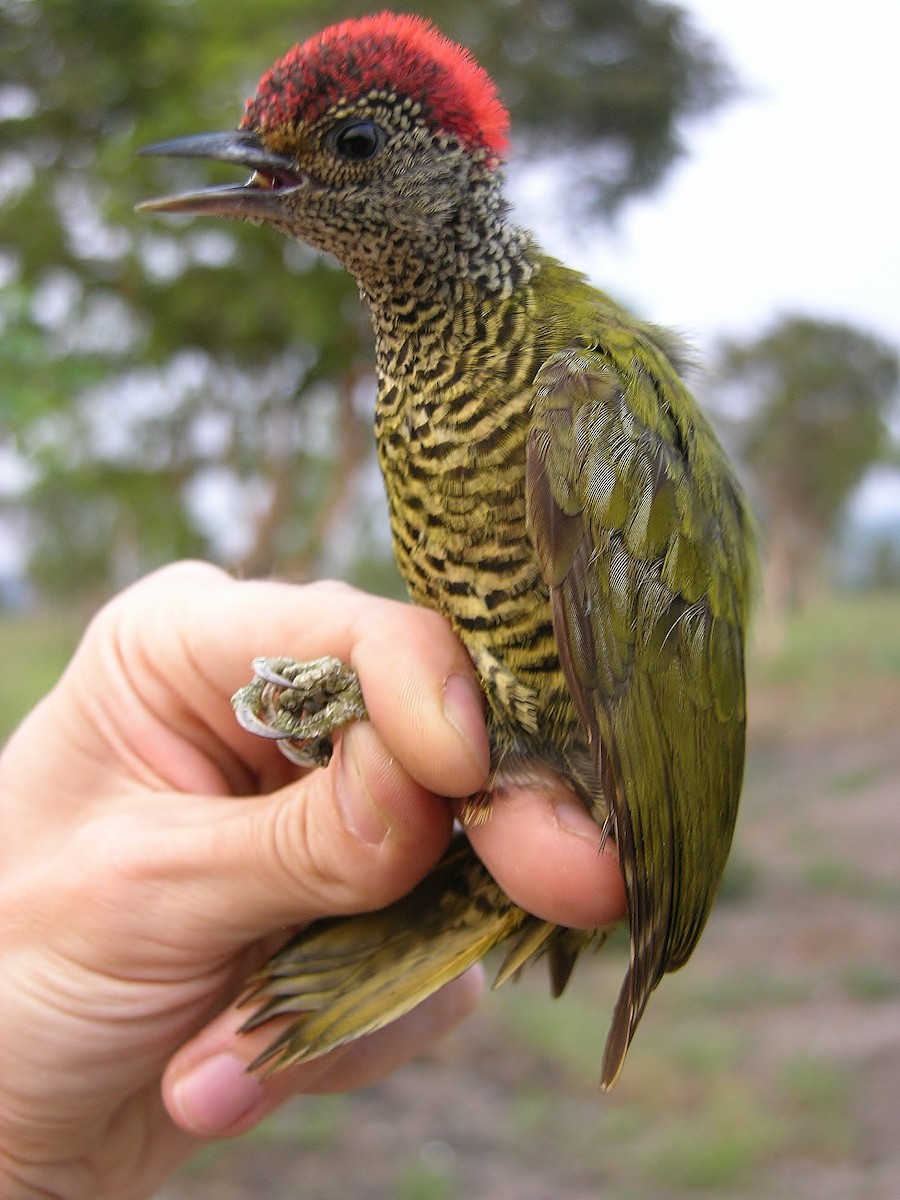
(152,854)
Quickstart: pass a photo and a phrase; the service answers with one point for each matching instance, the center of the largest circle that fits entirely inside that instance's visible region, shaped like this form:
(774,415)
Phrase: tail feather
(621,1030)
(531,942)
(345,977)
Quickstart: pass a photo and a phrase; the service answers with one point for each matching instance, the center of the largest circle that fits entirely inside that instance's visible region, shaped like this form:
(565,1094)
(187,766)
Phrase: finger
(184,639)
(550,857)
(350,838)
(208,1091)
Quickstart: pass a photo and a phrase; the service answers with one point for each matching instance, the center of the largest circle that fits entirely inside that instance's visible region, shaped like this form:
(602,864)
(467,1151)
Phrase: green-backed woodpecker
(553,489)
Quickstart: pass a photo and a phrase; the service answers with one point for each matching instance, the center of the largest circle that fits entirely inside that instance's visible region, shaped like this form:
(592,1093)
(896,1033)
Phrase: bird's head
(373,128)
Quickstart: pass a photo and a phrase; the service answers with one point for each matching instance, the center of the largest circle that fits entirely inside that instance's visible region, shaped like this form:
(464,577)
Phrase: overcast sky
(789,198)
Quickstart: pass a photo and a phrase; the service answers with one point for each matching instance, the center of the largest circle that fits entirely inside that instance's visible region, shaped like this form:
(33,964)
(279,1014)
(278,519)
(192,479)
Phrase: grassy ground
(33,652)
(769,1068)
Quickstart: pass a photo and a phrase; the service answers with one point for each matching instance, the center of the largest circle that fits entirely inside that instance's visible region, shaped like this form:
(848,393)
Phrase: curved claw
(244,704)
(282,672)
(300,705)
(314,752)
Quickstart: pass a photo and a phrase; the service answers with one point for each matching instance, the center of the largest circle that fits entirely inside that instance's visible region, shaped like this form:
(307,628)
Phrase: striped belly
(454,468)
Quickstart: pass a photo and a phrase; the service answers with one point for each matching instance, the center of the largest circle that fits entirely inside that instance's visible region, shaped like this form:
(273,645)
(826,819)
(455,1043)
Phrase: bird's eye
(358,140)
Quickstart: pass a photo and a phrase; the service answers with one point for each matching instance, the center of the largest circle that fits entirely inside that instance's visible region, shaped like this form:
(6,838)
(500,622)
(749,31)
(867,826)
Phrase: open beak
(256,200)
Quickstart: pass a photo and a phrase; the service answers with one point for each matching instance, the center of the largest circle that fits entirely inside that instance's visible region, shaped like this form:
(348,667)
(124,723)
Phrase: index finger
(188,634)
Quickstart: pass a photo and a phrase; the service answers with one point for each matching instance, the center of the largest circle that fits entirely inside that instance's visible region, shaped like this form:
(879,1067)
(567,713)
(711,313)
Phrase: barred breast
(451,426)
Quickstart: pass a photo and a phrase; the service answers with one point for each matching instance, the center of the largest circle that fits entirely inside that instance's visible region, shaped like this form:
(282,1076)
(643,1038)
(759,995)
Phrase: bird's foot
(301,705)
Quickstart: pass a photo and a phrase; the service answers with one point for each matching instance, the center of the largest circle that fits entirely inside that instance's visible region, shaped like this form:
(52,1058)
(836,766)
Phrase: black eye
(358,140)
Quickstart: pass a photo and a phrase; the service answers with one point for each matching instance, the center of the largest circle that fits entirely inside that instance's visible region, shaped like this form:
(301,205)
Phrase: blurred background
(173,387)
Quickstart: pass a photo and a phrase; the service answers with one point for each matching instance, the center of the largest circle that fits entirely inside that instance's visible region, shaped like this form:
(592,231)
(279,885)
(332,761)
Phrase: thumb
(349,838)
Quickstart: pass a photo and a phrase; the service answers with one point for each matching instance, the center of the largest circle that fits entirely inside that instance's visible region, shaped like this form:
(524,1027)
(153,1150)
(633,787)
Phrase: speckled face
(385,121)
(378,141)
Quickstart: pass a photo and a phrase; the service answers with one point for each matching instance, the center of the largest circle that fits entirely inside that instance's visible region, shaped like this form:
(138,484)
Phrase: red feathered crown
(391,53)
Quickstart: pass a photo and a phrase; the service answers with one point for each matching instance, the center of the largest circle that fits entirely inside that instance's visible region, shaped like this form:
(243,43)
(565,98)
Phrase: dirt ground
(768,1068)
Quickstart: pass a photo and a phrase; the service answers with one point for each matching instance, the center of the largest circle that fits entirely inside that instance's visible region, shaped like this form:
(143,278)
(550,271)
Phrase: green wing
(645,544)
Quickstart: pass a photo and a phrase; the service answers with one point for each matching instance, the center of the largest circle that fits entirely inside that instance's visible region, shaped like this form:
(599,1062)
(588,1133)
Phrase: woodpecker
(554,490)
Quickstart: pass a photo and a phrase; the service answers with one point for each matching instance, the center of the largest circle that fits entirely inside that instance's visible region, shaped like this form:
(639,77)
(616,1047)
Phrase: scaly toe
(300,705)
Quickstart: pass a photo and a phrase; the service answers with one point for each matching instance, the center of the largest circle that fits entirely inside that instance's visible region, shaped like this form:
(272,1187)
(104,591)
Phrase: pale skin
(152,853)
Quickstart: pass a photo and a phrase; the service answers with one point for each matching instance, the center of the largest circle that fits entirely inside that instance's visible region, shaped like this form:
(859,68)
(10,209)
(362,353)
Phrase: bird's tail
(343,977)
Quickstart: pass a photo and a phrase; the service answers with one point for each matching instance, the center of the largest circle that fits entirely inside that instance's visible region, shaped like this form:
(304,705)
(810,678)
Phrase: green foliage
(420,1179)
(34,650)
(826,388)
(750,988)
(834,642)
(576,1042)
(836,877)
(822,393)
(723,1157)
(740,879)
(872,981)
(307,1123)
(818,1091)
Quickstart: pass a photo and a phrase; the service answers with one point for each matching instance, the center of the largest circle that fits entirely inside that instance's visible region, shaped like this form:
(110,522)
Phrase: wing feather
(642,538)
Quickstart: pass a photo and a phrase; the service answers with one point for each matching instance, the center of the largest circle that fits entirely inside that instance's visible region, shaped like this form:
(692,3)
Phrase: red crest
(392,53)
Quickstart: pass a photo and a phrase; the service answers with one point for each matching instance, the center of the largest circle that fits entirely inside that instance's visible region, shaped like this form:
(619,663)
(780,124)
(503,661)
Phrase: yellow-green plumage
(342,980)
(555,491)
(610,635)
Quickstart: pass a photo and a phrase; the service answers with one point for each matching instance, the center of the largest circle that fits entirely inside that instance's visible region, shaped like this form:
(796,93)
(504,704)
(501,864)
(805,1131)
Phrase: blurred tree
(819,395)
(185,387)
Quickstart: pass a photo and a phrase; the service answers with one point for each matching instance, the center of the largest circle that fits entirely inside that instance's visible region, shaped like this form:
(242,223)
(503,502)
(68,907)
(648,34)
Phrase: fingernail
(573,819)
(215,1095)
(464,709)
(361,814)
